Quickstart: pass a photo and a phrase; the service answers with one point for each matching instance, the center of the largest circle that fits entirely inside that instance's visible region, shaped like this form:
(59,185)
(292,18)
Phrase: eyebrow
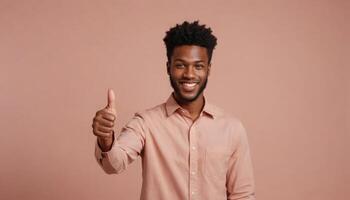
(197,61)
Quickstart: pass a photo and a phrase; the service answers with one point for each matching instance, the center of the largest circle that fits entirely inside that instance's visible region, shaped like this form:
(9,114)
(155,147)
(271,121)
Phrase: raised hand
(104,121)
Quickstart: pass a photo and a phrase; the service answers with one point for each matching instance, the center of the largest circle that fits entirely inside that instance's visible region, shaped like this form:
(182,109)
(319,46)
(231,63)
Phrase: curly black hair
(189,34)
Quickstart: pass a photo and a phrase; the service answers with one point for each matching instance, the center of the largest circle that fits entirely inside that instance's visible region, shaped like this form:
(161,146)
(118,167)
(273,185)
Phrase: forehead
(190,53)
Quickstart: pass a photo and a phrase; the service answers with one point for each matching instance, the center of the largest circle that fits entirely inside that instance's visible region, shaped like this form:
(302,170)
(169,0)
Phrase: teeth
(190,84)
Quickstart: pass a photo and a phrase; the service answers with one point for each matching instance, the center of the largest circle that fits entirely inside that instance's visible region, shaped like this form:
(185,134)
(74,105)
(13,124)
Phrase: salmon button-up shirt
(205,159)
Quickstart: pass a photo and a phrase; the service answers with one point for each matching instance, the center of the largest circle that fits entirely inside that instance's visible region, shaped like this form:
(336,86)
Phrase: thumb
(111,99)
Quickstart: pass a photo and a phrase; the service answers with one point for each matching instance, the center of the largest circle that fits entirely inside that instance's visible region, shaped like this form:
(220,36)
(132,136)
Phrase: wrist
(105,143)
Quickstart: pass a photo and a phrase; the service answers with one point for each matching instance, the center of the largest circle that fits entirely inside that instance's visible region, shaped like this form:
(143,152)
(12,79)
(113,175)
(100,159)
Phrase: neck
(194,107)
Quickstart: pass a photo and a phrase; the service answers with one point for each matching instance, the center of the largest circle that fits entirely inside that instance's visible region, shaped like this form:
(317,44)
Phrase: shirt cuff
(102,155)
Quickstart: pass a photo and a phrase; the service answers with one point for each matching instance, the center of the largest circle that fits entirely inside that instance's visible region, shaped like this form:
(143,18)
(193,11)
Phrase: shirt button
(193,193)
(193,173)
(193,148)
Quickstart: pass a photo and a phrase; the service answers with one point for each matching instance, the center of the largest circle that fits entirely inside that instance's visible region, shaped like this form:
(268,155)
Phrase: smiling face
(188,70)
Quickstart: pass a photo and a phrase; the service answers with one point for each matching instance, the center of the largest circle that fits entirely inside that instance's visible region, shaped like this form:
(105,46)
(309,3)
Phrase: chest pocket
(216,163)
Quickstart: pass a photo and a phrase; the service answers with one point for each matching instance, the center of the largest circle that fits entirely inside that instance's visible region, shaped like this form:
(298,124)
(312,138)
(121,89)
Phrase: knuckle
(96,117)
(95,124)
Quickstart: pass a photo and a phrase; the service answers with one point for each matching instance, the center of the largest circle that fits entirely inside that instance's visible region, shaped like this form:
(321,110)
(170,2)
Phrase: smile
(188,86)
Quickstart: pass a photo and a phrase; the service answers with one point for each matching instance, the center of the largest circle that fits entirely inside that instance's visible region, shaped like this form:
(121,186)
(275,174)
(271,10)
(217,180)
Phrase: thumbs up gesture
(103,123)
(111,102)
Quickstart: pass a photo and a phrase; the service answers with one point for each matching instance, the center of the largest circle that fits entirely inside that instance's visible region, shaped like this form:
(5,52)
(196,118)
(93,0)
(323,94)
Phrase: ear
(168,67)
(209,67)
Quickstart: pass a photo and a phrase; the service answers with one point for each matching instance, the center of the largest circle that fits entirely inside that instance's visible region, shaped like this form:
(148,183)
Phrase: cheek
(203,74)
(176,74)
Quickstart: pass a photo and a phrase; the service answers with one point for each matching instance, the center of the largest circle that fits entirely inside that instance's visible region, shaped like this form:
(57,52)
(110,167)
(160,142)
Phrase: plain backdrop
(282,67)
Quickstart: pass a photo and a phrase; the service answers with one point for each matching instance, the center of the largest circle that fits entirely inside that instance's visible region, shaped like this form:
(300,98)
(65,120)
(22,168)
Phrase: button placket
(193,162)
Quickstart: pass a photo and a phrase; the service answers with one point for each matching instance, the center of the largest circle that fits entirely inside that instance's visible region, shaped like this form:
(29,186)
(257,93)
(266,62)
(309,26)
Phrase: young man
(190,149)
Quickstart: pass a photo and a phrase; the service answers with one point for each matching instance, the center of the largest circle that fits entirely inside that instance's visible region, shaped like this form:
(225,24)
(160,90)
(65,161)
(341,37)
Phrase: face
(188,70)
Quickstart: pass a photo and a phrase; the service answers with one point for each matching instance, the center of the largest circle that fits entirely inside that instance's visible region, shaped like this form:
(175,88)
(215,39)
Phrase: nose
(189,72)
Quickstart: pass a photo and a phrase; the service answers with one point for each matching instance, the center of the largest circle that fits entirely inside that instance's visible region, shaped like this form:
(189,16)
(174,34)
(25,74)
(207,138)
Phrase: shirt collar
(172,106)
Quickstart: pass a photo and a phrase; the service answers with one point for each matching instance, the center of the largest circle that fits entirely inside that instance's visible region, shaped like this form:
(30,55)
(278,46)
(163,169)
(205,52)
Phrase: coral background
(282,67)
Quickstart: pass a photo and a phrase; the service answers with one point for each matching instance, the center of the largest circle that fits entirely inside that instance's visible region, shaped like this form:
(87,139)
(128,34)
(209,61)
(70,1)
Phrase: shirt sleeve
(125,148)
(240,181)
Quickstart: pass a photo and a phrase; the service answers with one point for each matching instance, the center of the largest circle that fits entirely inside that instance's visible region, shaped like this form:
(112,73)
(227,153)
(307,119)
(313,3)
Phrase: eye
(199,66)
(179,65)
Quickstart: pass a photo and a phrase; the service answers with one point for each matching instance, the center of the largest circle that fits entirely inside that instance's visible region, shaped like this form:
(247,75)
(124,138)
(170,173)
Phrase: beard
(182,98)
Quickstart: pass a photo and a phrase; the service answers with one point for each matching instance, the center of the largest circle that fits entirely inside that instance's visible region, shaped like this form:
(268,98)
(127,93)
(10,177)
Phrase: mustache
(188,81)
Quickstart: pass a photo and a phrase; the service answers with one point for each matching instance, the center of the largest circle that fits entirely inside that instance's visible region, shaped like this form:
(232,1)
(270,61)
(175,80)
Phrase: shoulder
(157,111)
(145,118)
(223,115)
(227,120)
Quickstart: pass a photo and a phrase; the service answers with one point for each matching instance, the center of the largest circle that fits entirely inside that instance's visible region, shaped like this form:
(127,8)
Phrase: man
(190,149)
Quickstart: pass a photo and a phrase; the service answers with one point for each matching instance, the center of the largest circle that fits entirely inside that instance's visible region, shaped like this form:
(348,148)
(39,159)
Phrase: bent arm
(125,148)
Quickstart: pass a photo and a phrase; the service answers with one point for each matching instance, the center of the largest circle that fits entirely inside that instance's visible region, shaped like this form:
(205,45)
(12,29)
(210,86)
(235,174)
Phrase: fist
(104,120)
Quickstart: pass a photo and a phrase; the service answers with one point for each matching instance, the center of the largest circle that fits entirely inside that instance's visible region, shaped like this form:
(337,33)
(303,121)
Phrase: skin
(188,64)
(103,123)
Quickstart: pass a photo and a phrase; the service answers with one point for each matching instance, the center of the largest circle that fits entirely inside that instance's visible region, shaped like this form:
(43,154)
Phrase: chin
(187,98)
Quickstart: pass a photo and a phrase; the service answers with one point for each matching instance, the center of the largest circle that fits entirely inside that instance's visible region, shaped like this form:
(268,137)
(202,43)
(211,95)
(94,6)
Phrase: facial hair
(182,98)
